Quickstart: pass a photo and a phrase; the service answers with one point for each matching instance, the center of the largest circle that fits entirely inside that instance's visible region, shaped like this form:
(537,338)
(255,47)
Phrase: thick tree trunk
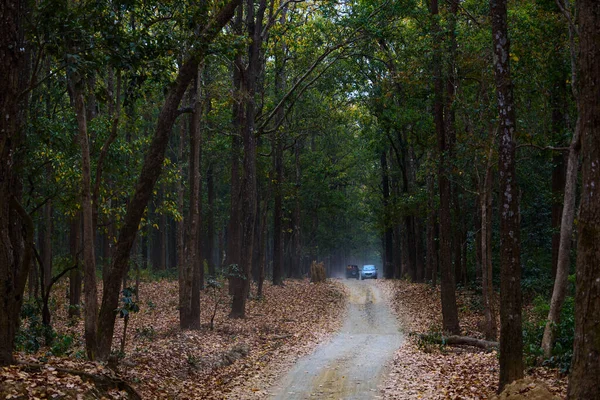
(234,230)
(248,198)
(16,227)
(89,258)
(148,177)
(448,295)
(585,368)
(511,335)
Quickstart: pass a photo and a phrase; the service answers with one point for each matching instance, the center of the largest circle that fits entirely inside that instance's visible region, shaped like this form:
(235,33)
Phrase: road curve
(353,363)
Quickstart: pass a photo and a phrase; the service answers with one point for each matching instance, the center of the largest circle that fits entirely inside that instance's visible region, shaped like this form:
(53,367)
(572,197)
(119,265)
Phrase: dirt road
(352,364)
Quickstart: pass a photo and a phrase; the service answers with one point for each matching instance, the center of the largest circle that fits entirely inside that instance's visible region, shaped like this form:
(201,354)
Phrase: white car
(368,272)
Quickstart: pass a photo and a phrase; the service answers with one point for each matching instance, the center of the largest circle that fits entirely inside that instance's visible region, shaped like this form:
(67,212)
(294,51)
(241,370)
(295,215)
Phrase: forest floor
(238,359)
(422,370)
(247,359)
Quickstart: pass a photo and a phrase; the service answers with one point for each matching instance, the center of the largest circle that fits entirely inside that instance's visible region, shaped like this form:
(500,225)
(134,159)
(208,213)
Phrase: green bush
(533,331)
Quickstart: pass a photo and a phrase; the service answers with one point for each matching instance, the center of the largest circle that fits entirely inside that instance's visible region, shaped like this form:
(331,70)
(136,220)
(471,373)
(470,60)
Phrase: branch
(535,146)
(101,381)
(111,138)
(460,340)
(185,110)
(299,82)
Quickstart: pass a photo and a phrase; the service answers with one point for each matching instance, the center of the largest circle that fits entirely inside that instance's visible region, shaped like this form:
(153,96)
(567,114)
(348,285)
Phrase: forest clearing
(183,184)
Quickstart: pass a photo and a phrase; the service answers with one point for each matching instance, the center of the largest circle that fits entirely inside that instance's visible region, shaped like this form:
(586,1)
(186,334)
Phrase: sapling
(128,306)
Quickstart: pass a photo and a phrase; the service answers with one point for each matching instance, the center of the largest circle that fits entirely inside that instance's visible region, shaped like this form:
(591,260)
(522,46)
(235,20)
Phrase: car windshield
(369,268)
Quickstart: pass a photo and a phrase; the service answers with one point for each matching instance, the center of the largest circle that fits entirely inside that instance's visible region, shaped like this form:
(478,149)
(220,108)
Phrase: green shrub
(533,331)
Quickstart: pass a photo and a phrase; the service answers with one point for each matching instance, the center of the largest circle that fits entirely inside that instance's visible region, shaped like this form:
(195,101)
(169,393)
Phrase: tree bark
(559,291)
(75,274)
(296,240)
(16,227)
(560,271)
(189,316)
(150,172)
(511,335)
(486,255)
(585,367)
(248,198)
(448,295)
(89,258)
(388,266)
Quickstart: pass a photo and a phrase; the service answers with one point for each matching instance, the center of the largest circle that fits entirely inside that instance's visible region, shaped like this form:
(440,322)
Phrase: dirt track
(352,364)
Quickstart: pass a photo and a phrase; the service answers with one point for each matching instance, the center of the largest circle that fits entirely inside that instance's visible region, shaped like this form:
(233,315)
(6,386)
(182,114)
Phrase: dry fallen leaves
(454,372)
(238,359)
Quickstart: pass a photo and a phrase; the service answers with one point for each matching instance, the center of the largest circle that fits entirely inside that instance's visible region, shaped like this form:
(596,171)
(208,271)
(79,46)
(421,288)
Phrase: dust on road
(353,363)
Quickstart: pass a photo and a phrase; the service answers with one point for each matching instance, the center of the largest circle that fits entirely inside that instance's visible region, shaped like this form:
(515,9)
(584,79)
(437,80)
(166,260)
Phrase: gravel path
(353,363)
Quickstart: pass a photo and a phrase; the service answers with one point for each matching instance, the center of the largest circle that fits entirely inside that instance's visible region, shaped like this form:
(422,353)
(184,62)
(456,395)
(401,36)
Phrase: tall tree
(16,226)
(76,88)
(585,369)
(563,258)
(511,335)
(149,175)
(448,296)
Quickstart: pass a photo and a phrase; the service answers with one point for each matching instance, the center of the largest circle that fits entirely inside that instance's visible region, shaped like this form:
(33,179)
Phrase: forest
(224,153)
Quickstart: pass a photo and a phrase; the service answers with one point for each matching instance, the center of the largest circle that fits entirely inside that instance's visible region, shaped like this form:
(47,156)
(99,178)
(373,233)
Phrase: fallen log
(455,340)
(100,381)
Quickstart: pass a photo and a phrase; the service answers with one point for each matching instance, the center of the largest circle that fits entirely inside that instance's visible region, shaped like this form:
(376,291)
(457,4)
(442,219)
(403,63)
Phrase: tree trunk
(486,255)
(234,230)
(248,198)
(388,266)
(47,243)
(280,81)
(296,241)
(278,211)
(559,291)
(189,316)
(511,335)
(558,188)
(75,274)
(419,250)
(431,269)
(16,227)
(150,172)
(180,204)
(560,271)
(89,258)
(448,295)
(585,368)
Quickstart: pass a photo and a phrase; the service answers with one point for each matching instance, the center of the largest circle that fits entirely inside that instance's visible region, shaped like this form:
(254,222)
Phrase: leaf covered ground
(422,370)
(238,359)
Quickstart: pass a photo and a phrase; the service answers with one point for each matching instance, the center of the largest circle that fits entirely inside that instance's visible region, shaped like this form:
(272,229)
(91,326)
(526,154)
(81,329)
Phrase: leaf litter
(239,359)
(429,371)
